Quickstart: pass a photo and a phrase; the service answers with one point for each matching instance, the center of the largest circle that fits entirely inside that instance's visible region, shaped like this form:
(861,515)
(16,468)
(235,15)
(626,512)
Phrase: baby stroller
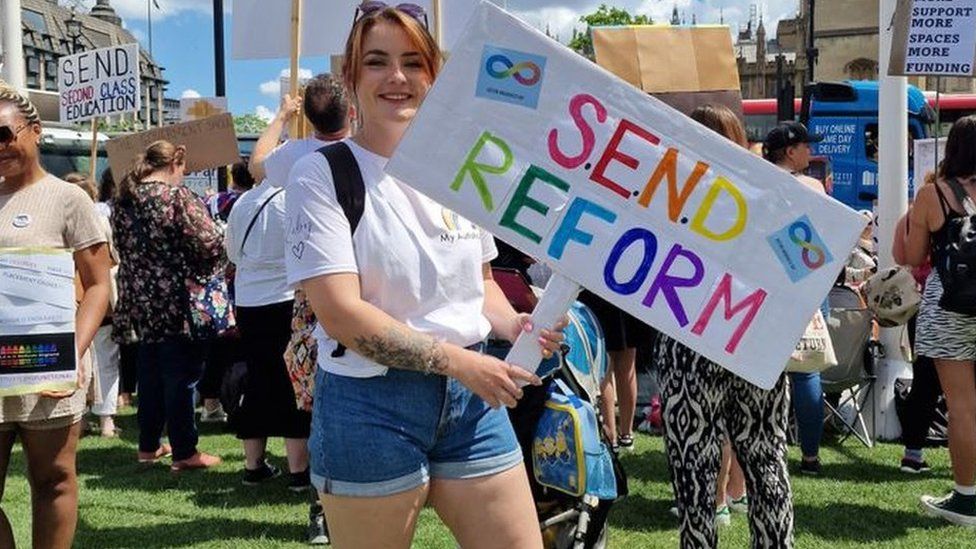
(577,518)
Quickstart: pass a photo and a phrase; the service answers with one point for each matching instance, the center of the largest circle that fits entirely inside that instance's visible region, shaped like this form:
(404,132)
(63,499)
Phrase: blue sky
(183,38)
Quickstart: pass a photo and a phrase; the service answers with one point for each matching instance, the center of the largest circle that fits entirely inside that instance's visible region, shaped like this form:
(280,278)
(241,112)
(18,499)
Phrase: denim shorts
(383,435)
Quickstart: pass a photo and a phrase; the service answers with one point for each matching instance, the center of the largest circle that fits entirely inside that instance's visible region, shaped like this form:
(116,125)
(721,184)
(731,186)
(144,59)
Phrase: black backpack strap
(350,193)
(961,195)
(254,219)
(348,180)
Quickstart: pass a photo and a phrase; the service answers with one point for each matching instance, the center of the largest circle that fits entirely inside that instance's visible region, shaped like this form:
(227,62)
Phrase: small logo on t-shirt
(21,221)
(458,228)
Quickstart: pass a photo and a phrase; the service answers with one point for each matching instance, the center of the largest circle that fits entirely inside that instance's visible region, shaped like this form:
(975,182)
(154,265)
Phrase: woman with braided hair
(40,210)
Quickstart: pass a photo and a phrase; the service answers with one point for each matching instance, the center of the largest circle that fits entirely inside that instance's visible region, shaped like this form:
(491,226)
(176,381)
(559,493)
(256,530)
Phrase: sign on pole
(934,38)
(209,143)
(198,108)
(98,83)
(625,196)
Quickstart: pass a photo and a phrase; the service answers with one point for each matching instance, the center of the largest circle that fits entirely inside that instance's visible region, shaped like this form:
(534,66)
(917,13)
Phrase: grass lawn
(862,500)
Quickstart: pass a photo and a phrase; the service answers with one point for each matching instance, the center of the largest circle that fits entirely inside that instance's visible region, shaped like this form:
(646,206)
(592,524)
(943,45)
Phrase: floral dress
(164,237)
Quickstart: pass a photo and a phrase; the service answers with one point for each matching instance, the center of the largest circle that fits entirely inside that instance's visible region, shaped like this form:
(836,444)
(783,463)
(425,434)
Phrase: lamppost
(812,52)
(72,27)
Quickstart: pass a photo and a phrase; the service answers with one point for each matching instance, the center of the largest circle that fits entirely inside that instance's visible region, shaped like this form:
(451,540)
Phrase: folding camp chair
(852,379)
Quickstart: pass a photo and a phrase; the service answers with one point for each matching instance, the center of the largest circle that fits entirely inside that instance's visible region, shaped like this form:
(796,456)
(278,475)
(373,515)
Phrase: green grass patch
(862,500)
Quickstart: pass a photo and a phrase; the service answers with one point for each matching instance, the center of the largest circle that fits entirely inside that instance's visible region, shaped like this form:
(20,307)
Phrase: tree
(604,16)
(249,123)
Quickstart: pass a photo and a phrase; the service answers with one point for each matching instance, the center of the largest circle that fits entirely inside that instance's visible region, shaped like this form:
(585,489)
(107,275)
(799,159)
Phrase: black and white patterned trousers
(704,403)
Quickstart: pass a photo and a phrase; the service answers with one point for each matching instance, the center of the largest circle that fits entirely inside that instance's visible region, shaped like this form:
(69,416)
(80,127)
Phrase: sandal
(626,442)
(164,450)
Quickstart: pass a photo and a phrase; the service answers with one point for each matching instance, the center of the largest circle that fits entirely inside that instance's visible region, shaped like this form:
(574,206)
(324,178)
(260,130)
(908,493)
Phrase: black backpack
(957,262)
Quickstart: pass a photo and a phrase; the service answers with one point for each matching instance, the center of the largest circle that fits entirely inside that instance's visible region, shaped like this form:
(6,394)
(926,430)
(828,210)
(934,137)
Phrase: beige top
(48,213)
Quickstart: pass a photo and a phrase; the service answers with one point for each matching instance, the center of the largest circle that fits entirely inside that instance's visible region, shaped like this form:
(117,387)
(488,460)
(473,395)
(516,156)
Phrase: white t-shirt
(417,261)
(280,161)
(261,278)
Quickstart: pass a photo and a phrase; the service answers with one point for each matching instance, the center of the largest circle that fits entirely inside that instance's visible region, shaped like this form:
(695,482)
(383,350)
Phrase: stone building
(49,32)
(846,35)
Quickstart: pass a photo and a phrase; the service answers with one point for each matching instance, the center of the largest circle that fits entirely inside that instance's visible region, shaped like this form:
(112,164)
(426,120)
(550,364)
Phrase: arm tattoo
(404,350)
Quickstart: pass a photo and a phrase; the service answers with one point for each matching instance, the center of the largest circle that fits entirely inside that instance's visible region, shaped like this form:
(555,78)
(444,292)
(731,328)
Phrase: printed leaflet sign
(934,38)
(624,195)
(100,82)
(37,321)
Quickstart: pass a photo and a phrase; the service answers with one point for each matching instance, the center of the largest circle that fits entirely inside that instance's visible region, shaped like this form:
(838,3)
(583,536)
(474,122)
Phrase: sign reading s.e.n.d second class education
(625,196)
(98,83)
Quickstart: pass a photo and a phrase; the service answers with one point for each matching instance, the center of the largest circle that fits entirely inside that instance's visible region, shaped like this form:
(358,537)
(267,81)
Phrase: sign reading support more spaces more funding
(934,38)
(624,195)
(96,83)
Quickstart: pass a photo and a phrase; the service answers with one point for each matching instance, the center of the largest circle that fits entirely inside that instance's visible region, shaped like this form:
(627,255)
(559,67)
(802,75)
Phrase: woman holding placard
(39,210)
(405,299)
(704,403)
(938,226)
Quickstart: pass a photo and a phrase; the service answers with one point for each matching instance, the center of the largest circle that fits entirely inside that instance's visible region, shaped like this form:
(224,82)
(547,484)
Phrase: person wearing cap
(788,146)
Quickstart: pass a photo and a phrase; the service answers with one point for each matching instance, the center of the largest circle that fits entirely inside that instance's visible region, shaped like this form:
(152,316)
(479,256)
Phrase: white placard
(260,29)
(923,161)
(198,108)
(941,38)
(202,183)
(626,196)
(98,83)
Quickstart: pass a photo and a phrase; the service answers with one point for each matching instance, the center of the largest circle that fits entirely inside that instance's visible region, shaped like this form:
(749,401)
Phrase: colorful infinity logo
(801,235)
(513,70)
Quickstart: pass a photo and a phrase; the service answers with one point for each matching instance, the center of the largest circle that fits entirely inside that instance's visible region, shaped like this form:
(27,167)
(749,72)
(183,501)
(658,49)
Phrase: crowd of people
(362,330)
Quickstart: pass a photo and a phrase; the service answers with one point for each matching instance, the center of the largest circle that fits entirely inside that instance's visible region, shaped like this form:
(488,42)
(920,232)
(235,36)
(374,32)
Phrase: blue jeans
(807,395)
(168,373)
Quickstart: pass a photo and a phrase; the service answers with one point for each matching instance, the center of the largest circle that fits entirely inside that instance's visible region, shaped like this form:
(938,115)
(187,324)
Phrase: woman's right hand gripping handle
(496,382)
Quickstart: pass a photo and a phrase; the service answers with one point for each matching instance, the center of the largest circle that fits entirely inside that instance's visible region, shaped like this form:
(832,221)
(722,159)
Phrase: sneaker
(625,442)
(723,516)
(253,477)
(955,508)
(914,466)
(198,460)
(739,505)
(299,482)
(213,415)
(810,467)
(318,530)
(164,450)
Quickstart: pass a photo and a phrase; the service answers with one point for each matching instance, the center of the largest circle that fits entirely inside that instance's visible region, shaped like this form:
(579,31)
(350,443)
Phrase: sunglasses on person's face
(373,6)
(8,136)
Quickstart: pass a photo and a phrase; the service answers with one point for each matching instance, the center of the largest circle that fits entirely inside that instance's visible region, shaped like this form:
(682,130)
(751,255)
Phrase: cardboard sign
(37,321)
(262,30)
(100,82)
(934,38)
(622,194)
(198,108)
(209,143)
(683,66)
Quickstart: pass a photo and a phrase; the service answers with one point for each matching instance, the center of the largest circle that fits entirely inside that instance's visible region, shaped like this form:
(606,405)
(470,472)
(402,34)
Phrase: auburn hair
(157,155)
(416,32)
(722,121)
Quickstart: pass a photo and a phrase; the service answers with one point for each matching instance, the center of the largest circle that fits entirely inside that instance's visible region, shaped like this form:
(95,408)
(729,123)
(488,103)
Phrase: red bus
(760,114)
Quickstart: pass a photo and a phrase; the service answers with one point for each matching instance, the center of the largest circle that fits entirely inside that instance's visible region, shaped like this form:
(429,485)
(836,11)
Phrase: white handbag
(815,351)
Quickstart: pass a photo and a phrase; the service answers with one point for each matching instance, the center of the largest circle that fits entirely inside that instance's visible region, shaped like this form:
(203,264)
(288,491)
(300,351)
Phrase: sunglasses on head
(370,7)
(8,136)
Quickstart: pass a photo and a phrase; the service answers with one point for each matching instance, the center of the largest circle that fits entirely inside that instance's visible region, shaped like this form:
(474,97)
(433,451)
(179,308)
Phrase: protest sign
(202,183)
(37,321)
(100,82)
(624,195)
(934,38)
(198,108)
(683,66)
(262,29)
(924,159)
(210,143)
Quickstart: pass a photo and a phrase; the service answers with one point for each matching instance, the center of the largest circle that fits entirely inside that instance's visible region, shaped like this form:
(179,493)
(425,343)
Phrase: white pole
(13,46)
(892,204)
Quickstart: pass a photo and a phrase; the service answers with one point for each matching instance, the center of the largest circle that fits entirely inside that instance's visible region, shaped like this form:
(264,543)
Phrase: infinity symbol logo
(801,234)
(511,70)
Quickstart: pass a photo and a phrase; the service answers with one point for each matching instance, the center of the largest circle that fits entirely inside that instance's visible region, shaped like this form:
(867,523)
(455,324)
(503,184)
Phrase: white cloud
(135,10)
(264,113)
(189,94)
(272,88)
